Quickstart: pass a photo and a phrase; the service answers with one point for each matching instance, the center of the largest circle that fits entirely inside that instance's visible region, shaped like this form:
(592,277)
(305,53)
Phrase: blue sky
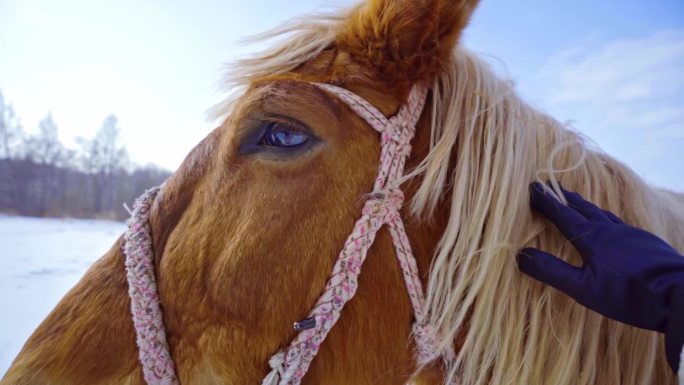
(614,68)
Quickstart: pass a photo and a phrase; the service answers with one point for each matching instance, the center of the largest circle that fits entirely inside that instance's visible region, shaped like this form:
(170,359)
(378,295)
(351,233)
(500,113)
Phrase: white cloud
(621,71)
(628,96)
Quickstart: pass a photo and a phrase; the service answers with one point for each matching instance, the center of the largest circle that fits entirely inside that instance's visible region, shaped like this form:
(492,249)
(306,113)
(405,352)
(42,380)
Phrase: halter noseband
(381,208)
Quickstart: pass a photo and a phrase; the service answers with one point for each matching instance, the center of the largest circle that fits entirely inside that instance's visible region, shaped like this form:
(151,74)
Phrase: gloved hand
(629,274)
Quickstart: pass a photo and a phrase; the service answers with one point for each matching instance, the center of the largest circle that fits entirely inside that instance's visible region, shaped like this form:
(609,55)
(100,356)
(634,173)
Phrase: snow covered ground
(40,260)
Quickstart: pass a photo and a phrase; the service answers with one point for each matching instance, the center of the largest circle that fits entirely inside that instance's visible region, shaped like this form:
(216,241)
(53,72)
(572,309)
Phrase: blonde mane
(487,146)
(515,330)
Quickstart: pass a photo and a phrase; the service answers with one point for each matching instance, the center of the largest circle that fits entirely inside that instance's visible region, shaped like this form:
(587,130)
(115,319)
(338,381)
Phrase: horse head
(246,232)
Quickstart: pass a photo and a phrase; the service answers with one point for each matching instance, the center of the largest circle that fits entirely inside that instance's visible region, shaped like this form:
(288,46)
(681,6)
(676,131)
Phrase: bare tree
(113,155)
(105,157)
(45,147)
(11,132)
(105,153)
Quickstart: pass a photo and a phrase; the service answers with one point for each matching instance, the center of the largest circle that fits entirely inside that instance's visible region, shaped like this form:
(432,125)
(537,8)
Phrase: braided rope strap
(382,207)
(153,350)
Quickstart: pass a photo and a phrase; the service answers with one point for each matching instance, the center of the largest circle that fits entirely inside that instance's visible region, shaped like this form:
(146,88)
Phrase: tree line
(40,176)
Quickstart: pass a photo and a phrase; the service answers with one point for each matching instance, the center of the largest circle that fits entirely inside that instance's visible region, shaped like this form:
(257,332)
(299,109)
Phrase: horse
(246,231)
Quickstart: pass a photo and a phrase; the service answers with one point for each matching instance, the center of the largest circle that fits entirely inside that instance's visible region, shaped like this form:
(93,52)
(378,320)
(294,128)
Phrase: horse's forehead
(297,93)
(290,91)
(295,99)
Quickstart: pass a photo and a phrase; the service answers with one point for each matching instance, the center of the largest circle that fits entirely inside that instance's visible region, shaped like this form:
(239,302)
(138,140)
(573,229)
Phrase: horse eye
(283,135)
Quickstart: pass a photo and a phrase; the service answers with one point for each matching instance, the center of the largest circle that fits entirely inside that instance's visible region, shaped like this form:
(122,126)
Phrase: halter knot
(384,204)
(425,339)
(396,134)
(277,370)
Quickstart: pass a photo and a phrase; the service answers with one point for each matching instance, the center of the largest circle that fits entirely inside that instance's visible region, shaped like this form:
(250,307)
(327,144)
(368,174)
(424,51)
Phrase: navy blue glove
(629,274)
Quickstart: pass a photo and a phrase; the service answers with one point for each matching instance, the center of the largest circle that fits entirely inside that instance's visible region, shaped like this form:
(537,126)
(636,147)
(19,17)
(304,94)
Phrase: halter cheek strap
(153,350)
(382,208)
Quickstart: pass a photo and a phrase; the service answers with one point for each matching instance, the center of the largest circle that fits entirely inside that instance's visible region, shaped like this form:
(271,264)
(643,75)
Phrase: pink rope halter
(381,208)
(153,351)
